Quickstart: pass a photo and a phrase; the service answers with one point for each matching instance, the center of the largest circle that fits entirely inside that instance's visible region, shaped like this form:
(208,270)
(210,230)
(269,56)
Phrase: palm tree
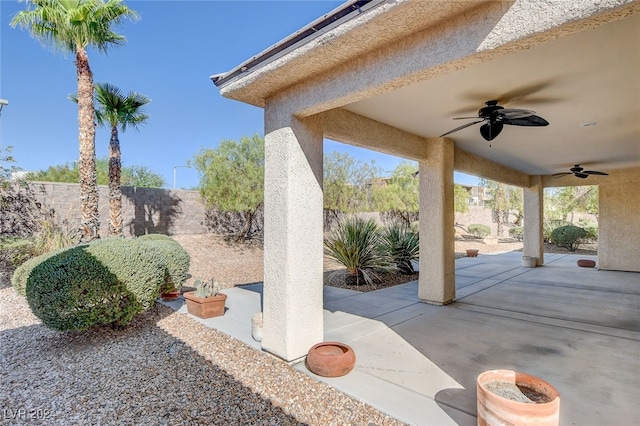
(114,109)
(72,26)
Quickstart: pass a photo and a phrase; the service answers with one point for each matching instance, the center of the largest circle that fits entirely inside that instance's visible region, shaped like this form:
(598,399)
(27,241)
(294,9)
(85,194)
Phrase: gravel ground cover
(163,369)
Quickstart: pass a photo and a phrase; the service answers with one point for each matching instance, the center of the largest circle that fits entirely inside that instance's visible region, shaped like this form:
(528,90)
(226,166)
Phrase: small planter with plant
(205,301)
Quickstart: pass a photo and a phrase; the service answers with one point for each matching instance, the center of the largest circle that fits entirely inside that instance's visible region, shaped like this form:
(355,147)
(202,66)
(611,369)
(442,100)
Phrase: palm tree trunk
(90,225)
(115,193)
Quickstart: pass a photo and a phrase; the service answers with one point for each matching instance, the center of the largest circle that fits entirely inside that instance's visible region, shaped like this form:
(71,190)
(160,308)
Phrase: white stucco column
(533,219)
(293,248)
(437,258)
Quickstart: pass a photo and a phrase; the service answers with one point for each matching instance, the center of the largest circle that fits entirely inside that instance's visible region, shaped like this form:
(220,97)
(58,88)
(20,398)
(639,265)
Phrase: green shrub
(568,236)
(592,232)
(156,237)
(548,227)
(105,282)
(176,259)
(479,230)
(517,232)
(22,272)
(403,245)
(13,252)
(356,244)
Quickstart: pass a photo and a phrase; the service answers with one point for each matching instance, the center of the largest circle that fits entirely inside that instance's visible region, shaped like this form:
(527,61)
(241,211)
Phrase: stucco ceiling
(573,82)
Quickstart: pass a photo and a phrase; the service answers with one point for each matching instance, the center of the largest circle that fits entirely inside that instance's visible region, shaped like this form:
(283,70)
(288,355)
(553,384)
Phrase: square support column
(533,219)
(437,251)
(293,237)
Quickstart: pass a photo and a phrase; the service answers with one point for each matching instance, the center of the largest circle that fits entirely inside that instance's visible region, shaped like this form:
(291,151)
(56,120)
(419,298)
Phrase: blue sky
(169,55)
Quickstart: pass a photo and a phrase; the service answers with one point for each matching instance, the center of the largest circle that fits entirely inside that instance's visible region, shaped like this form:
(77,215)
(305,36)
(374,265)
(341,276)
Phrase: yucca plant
(356,244)
(402,245)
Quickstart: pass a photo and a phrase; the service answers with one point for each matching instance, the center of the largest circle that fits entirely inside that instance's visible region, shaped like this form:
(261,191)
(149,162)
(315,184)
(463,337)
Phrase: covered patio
(392,76)
(577,328)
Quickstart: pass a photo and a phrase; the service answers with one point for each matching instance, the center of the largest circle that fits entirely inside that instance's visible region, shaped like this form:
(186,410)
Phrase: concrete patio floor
(577,328)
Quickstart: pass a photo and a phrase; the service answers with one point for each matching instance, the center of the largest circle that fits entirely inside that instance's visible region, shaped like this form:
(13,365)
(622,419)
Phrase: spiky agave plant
(356,244)
(402,245)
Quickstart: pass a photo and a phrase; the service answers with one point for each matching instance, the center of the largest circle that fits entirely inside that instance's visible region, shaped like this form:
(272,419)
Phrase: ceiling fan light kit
(496,116)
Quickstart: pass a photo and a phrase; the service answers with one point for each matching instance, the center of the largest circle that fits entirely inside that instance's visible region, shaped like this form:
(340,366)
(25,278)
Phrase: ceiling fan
(579,172)
(495,116)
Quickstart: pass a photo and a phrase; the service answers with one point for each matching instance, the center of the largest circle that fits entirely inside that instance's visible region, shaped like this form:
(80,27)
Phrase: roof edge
(337,16)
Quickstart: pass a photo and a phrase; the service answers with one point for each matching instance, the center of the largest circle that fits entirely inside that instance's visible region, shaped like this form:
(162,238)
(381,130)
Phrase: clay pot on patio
(205,307)
(586,263)
(529,261)
(472,252)
(168,295)
(507,397)
(331,359)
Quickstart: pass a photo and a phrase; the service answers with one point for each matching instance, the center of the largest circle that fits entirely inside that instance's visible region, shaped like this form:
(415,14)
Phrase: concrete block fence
(144,210)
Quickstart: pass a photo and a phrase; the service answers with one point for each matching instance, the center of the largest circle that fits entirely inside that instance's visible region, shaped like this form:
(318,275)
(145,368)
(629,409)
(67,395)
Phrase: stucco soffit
(347,127)
(472,164)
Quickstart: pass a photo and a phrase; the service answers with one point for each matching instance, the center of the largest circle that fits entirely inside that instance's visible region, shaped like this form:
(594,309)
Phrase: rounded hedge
(176,258)
(479,230)
(105,282)
(569,236)
(22,272)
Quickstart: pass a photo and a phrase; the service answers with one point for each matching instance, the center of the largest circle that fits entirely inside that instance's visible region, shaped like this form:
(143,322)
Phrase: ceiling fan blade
(490,131)
(462,127)
(532,120)
(557,175)
(581,175)
(512,113)
(593,172)
(465,118)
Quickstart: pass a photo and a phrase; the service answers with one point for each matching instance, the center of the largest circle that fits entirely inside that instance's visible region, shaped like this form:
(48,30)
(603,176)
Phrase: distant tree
(139,176)
(347,184)
(460,199)
(73,26)
(568,200)
(398,196)
(232,178)
(503,199)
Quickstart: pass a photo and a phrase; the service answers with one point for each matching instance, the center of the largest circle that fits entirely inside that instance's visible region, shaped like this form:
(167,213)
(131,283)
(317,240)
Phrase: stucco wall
(619,222)
(144,210)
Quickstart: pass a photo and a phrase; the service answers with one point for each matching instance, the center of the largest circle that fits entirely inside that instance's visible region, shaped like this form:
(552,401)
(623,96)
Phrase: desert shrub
(479,230)
(156,237)
(175,257)
(549,225)
(13,252)
(568,236)
(22,272)
(356,244)
(517,232)
(591,229)
(105,282)
(403,245)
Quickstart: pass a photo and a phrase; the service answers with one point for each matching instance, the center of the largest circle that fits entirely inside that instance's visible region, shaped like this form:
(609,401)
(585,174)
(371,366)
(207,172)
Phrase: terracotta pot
(170,295)
(472,252)
(585,263)
(331,359)
(496,407)
(202,307)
